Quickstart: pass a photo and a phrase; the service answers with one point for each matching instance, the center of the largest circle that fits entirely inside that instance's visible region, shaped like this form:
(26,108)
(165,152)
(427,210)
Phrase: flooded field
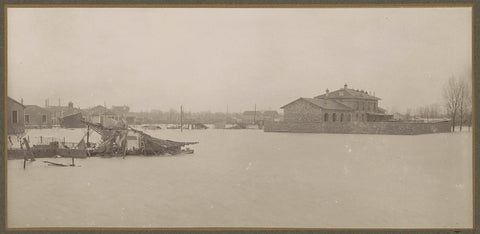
(248,178)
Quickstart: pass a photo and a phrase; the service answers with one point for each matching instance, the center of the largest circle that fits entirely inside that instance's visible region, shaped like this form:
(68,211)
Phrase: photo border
(239,4)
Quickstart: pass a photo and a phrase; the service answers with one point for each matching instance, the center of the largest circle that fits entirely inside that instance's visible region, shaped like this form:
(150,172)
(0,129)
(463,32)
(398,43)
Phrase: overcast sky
(206,59)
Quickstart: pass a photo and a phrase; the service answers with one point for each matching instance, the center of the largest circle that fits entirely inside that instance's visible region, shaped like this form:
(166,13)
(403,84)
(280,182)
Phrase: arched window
(334,117)
(326,117)
(341,117)
(363,117)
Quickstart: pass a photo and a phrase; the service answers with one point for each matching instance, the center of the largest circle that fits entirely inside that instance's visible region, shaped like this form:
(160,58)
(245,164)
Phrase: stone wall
(389,128)
(302,111)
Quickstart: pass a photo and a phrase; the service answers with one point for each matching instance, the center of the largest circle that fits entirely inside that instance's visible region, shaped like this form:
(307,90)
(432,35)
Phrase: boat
(173,127)
(151,127)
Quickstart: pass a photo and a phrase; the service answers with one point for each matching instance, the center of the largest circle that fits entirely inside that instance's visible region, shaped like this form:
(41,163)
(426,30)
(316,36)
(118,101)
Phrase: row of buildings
(21,116)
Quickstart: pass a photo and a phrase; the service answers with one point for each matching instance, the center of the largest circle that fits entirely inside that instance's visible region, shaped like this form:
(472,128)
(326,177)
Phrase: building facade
(15,117)
(342,105)
(37,117)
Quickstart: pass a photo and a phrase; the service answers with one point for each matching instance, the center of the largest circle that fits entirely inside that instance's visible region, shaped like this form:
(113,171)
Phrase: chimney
(70,105)
(21,101)
(345,86)
(326,93)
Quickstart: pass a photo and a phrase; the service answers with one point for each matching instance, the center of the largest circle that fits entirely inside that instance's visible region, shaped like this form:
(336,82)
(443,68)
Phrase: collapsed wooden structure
(124,140)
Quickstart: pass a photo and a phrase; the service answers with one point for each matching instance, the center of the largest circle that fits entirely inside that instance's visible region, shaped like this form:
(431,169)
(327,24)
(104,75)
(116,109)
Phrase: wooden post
(88,135)
(41,139)
(24,161)
(73,161)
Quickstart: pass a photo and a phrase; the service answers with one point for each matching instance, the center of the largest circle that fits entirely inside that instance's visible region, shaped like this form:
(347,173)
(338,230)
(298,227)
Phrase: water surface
(248,178)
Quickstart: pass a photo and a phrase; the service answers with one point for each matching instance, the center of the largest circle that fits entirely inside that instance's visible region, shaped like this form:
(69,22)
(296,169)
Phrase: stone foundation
(387,128)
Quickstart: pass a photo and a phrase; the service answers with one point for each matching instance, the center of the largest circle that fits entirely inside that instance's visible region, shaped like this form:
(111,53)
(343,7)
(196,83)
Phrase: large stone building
(342,105)
(346,111)
(15,120)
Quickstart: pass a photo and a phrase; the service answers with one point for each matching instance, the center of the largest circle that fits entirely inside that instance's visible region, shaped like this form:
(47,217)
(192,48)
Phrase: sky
(211,59)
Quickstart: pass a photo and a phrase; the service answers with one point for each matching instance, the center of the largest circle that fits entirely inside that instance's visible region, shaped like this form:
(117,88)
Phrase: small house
(15,120)
(37,117)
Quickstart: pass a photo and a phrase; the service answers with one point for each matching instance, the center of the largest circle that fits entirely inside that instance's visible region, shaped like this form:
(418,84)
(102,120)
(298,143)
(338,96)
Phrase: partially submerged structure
(124,140)
(118,140)
(346,111)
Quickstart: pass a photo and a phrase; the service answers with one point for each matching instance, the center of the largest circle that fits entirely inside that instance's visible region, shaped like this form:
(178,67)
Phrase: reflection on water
(248,178)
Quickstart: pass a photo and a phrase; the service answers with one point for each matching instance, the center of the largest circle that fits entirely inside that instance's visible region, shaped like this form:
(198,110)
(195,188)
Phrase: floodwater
(248,178)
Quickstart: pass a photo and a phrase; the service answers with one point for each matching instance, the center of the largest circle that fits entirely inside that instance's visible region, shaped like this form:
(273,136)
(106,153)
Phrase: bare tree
(451,94)
(464,95)
(466,104)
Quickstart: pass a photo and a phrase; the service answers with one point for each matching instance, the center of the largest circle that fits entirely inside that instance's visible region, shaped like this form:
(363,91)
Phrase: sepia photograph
(239,117)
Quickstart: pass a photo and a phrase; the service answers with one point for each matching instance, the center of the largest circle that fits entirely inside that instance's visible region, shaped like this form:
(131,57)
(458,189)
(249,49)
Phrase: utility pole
(254,113)
(181,118)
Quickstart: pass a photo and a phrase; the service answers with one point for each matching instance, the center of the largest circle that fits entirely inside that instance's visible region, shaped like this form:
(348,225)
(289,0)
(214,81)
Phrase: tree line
(457,94)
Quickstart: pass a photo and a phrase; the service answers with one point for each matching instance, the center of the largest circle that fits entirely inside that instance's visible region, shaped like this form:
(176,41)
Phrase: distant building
(252,116)
(343,105)
(37,117)
(58,112)
(121,110)
(130,119)
(102,115)
(15,120)
(73,121)
(271,115)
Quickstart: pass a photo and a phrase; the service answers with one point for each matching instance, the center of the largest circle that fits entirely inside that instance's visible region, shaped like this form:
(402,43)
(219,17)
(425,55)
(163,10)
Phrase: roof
(252,113)
(270,113)
(347,93)
(13,100)
(65,110)
(327,104)
(100,110)
(35,108)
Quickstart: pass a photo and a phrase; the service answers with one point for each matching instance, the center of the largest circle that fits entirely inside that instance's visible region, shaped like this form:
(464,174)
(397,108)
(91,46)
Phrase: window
(326,117)
(341,117)
(356,116)
(334,117)
(44,118)
(27,118)
(14,117)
